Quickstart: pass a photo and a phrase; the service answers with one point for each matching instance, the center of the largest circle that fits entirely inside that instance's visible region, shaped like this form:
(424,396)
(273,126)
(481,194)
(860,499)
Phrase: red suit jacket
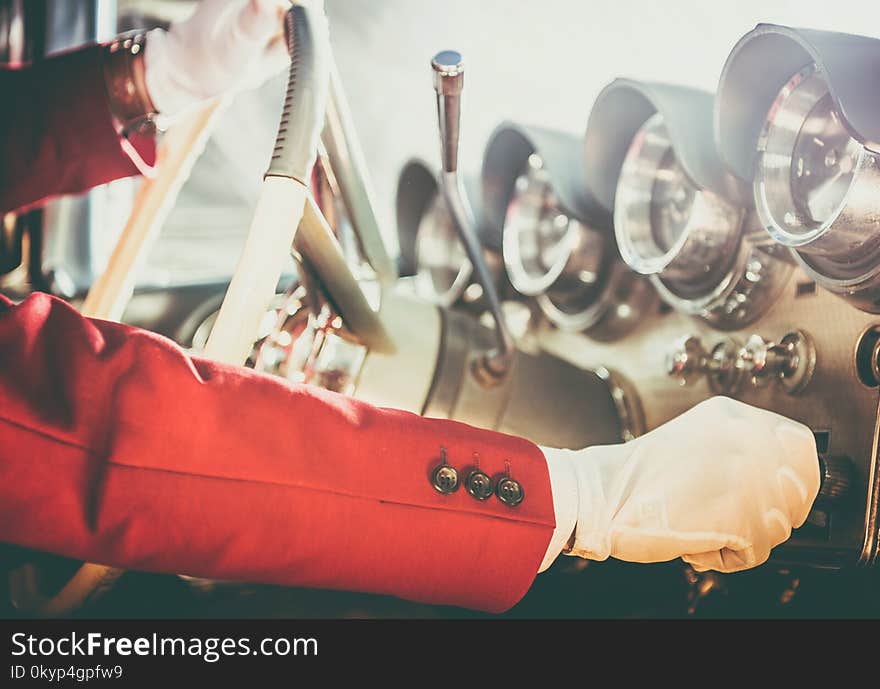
(118,448)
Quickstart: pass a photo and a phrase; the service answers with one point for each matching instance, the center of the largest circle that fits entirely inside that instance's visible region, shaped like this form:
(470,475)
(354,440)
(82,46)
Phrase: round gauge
(823,165)
(570,267)
(672,199)
(443,269)
(665,225)
(545,249)
(815,190)
(807,162)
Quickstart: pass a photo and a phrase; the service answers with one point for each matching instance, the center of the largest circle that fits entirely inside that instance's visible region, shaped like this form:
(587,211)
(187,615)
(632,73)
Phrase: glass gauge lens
(823,164)
(540,228)
(672,200)
(542,244)
(443,269)
(654,202)
(807,162)
(666,226)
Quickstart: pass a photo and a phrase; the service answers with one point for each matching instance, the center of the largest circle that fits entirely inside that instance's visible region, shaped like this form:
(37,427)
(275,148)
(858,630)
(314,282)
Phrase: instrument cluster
(698,243)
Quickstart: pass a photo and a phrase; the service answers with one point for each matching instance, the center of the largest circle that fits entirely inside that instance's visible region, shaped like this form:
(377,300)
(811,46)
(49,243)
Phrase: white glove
(224,47)
(719,486)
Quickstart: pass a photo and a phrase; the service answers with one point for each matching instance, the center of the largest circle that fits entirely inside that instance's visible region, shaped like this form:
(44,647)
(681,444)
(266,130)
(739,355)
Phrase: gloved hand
(718,486)
(224,47)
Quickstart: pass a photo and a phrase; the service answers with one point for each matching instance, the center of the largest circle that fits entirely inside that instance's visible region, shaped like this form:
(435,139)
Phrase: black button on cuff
(510,492)
(445,479)
(479,485)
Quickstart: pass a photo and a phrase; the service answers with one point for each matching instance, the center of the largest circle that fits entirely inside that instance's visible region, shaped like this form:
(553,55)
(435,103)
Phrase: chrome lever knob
(448,83)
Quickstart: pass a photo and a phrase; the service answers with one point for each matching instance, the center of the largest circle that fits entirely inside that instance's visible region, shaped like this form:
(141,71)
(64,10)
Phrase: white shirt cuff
(563,485)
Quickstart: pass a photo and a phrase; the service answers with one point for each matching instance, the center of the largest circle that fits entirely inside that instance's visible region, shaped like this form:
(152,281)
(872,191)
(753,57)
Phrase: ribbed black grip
(836,476)
(303,116)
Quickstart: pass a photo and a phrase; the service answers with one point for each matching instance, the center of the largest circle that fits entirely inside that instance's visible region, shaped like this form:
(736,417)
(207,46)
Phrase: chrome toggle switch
(791,361)
(689,361)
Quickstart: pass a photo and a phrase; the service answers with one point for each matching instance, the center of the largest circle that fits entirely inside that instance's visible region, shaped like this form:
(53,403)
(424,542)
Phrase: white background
(535,61)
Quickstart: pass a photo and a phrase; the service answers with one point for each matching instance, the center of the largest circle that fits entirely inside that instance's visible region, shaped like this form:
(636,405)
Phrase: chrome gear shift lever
(448,83)
(492,366)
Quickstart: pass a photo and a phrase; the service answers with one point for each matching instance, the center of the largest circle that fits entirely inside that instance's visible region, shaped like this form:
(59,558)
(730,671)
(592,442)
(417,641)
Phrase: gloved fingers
(654,545)
(263,19)
(704,562)
(277,5)
(738,560)
(276,58)
(593,543)
(739,554)
(796,493)
(315,5)
(777,527)
(278,50)
(799,474)
(726,560)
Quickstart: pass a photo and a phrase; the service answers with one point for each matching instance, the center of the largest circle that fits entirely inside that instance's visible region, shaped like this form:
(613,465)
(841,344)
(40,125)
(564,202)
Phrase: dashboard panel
(745,225)
(841,410)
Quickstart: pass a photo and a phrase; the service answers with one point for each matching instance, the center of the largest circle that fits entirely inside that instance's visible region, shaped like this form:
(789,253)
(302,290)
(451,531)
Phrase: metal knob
(689,361)
(791,361)
(835,476)
(448,83)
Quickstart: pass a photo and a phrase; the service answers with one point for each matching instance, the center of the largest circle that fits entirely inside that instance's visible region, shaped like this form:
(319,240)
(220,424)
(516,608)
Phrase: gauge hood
(505,159)
(416,188)
(624,106)
(766,58)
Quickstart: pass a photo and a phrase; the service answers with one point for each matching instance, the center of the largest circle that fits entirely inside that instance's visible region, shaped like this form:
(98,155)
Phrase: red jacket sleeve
(57,129)
(119,449)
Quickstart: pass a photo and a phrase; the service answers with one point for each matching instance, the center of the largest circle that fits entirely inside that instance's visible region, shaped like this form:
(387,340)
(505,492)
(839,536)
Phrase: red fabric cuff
(59,132)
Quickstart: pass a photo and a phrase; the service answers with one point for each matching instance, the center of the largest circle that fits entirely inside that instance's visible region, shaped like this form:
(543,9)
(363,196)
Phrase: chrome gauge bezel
(772,186)
(585,287)
(713,269)
(699,257)
(579,250)
(842,253)
(625,299)
(747,291)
